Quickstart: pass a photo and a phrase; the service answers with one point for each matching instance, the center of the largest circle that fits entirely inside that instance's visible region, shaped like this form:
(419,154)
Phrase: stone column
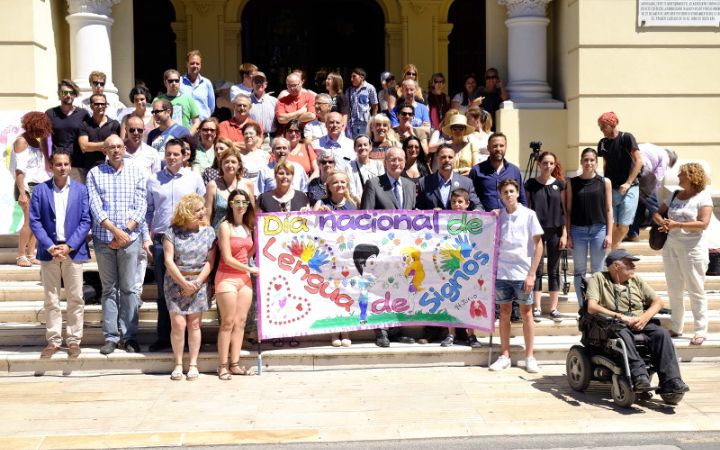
(90,24)
(527,54)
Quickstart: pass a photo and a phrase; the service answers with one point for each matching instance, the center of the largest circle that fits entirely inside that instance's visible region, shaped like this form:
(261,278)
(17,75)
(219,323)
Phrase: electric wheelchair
(603,357)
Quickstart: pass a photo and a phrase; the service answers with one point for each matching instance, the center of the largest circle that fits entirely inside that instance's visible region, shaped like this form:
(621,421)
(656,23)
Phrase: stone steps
(313,355)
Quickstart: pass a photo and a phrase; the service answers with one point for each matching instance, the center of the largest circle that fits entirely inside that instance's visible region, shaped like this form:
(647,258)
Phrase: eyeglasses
(439,81)
(114,147)
(98,83)
(412,74)
(406,113)
(327,162)
(173,80)
(243,203)
(208,130)
(65,93)
(158,111)
(491,77)
(457,128)
(292,131)
(100,105)
(135,130)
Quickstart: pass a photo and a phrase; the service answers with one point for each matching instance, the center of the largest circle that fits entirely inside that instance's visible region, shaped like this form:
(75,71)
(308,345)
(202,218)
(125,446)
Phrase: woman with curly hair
(685,254)
(189,246)
(29,162)
(233,286)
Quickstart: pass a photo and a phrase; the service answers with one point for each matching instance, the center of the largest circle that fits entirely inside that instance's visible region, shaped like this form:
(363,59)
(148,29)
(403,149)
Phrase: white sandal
(177,373)
(192,373)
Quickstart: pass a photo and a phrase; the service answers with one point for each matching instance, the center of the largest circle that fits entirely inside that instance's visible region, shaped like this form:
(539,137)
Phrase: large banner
(324,272)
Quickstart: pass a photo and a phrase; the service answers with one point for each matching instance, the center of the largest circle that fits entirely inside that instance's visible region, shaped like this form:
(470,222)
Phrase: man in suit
(60,219)
(434,190)
(390,191)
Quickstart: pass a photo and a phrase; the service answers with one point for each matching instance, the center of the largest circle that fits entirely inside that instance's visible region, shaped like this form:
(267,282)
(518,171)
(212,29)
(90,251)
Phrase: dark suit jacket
(77,220)
(378,194)
(429,192)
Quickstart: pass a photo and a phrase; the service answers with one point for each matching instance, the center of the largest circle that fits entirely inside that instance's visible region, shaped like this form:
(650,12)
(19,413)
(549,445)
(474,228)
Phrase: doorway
(466,43)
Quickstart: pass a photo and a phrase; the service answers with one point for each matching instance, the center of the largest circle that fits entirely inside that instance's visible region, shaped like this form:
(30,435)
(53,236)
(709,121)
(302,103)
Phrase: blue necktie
(396,191)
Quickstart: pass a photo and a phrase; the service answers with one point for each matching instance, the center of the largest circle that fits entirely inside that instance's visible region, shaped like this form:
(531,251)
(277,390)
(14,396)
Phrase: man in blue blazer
(60,220)
(434,190)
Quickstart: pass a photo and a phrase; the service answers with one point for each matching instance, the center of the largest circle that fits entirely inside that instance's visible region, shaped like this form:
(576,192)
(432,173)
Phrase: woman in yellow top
(466,152)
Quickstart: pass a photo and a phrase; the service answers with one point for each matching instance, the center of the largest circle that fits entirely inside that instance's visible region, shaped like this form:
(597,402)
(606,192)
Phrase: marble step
(32,311)
(33,333)
(314,355)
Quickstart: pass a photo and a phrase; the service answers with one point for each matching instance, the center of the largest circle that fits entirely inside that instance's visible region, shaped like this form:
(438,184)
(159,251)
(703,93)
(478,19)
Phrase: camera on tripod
(535,146)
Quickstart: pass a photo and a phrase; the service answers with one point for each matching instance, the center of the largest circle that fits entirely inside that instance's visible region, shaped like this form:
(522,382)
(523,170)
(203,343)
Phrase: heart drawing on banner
(282,306)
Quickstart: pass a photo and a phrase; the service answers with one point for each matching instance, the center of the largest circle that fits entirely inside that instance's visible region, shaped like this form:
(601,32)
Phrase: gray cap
(386,76)
(618,254)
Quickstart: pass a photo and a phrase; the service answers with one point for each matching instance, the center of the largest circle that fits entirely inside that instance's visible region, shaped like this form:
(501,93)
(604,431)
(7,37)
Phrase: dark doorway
(155,48)
(317,36)
(466,47)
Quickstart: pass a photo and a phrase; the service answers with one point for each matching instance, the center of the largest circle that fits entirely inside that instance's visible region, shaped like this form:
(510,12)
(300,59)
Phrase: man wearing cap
(623,163)
(263,107)
(619,294)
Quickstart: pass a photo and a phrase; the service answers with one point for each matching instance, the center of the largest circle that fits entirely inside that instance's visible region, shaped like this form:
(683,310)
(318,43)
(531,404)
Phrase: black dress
(268,203)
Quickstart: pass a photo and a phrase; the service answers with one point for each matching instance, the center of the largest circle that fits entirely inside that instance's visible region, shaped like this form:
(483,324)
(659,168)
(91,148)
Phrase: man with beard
(66,120)
(487,175)
(434,190)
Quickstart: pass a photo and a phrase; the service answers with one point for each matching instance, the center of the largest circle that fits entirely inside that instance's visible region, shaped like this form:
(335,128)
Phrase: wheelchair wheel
(578,368)
(623,394)
(672,399)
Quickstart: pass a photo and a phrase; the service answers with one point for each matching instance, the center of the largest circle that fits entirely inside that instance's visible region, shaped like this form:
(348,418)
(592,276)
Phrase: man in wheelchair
(619,294)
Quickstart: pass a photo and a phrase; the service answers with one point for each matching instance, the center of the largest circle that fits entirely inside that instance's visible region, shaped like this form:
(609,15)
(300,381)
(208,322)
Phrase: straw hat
(458,119)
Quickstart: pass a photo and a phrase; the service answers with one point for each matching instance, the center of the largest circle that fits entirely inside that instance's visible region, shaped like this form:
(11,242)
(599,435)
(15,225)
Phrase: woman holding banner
(337,185)
(284,197)
(233,287)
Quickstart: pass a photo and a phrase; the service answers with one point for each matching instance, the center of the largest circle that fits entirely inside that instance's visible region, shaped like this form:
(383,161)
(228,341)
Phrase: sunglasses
(258,82)
(65,93)
(135,130)
(158,111)
(439,81)
(406,113)
(100,105)
(98,83)
(244,203)
(457,128)
(412,74)
(208,130)
(327,163)
(173,80)
(491,77)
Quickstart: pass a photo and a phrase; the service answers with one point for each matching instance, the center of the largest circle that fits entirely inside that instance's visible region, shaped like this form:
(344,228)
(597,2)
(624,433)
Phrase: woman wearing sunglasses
(233,287)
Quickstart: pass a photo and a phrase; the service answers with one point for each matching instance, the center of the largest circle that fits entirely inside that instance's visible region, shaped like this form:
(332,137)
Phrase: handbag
(657,238)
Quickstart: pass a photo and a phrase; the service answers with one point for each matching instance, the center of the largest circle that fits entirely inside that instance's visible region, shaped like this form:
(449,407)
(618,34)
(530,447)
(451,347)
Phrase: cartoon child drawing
(365,258)
(413,268)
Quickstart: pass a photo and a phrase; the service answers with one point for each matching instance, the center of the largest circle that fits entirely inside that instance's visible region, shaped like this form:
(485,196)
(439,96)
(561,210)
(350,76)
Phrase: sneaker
(108,348)
(448,341)
(473,342)
(346,342)
(500,364)
(536,314)
(555,315)
(531,365)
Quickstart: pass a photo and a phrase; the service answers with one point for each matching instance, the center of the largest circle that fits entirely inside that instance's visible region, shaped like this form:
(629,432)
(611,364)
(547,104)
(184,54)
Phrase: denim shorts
(508,290)
(625,206)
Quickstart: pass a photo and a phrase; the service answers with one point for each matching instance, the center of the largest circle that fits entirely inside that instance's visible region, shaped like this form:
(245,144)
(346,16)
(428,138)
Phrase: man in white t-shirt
(521,250)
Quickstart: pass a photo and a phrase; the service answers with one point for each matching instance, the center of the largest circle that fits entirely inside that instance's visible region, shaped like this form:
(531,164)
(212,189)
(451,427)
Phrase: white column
(90,24)
(527,54)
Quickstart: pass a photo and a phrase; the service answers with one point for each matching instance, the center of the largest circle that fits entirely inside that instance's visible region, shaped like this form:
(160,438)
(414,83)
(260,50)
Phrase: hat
(258,74)
(386,76)
(618,254)
(458,119)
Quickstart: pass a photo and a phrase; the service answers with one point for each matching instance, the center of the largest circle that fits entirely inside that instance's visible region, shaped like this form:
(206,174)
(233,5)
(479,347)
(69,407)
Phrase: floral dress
(191,254)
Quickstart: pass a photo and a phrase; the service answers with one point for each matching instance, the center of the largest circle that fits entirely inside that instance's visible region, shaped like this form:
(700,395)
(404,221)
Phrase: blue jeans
(163,319)
(120,300)
(586,239)
(358,128)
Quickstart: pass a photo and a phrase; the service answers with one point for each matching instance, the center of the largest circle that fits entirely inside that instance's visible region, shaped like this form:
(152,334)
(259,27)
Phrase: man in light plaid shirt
(118,204)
